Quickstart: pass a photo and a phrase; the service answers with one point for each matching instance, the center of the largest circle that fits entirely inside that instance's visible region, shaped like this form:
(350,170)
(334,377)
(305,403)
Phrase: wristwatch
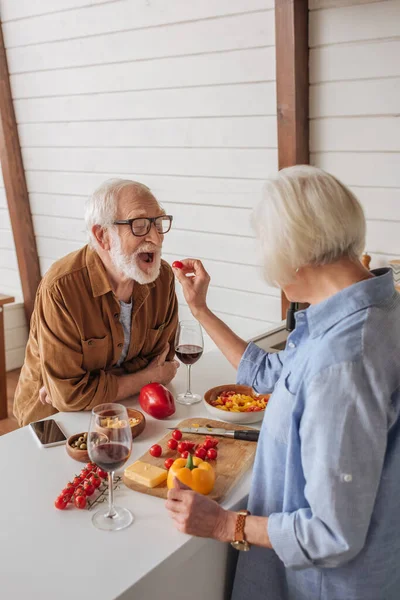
(239,542)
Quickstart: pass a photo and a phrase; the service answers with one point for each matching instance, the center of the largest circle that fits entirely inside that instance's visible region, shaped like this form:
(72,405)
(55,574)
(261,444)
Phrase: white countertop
(48,554)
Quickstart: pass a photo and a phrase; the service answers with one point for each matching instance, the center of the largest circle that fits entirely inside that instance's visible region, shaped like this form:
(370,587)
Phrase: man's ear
(102,236)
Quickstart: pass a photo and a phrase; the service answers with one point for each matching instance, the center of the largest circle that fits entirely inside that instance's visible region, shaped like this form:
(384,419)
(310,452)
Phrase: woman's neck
(317,283)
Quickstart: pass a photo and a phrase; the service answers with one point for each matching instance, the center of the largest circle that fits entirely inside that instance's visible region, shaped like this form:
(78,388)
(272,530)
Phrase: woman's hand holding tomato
(194,280)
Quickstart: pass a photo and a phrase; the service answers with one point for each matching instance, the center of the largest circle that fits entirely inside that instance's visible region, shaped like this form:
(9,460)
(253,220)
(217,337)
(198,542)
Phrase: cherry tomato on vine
(61,502)
(177,434)
(80,501)
(95,481)
(102,474)
(156,450)
(89,488)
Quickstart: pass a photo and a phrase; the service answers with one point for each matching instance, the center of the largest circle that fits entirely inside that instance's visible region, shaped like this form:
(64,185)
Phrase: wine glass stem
(111,510)
(188,391)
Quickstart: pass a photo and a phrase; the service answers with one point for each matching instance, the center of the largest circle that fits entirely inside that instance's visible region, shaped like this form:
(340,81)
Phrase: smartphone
(48,433)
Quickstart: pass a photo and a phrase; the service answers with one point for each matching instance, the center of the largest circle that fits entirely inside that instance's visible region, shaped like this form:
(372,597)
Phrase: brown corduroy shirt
(76,337)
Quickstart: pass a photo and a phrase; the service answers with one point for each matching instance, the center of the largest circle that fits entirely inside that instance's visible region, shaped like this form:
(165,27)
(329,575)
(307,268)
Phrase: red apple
(157,401)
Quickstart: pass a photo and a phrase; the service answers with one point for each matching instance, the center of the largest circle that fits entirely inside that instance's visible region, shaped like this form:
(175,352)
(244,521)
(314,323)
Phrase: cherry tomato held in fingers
(201,453)
(169,462)
(177,264)
(172,444)
(177,435)
(155,450)
(80,501)
(212,454)
(61,502)
(182,446)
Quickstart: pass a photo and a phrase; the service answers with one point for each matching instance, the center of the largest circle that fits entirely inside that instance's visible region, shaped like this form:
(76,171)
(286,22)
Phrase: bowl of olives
(77,447)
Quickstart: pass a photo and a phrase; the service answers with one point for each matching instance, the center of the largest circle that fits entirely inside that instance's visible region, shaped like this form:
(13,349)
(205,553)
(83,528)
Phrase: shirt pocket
(152,338)
(94,352)
(279,412)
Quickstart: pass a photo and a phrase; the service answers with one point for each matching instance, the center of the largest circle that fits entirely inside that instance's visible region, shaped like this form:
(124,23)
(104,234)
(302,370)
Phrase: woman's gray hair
(101,206)
(306,217)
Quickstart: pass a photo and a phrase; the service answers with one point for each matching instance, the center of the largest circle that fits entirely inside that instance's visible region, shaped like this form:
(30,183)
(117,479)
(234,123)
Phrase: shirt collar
(98,275)
(361,295)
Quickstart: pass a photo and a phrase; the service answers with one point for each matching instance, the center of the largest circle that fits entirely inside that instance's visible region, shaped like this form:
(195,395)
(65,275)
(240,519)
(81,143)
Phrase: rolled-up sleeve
(69,385)
(343,433)
(259,369)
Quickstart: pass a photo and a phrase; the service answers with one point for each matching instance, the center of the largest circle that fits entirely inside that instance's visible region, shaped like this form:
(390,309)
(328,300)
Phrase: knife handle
(247,435)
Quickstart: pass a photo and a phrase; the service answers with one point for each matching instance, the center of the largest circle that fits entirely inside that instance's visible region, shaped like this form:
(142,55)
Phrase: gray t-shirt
(125,318)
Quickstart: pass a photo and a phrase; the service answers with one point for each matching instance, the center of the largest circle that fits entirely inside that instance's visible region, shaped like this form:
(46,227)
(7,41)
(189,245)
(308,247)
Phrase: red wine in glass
(110,457)
(188,354)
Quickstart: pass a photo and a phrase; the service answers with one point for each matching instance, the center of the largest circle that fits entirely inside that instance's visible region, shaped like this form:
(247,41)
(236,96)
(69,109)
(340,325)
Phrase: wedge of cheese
(145,474)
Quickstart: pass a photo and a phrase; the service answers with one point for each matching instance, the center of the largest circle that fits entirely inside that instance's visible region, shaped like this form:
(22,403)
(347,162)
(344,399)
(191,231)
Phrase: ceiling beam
(16,190)
(292,86)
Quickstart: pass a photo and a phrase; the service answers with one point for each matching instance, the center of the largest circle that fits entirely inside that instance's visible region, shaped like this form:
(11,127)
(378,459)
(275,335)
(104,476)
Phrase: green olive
(83,447)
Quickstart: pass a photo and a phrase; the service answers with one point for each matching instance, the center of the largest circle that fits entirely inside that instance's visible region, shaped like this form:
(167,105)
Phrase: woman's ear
(102,236)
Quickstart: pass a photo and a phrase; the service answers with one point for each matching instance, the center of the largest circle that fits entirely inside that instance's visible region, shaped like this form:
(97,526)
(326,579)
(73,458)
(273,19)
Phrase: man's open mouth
(147,257)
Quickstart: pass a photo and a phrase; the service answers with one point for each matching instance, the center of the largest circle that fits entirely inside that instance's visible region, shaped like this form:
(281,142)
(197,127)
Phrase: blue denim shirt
(327,468)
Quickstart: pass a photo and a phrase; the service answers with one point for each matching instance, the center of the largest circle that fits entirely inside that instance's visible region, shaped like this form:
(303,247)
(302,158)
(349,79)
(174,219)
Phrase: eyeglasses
(141,226)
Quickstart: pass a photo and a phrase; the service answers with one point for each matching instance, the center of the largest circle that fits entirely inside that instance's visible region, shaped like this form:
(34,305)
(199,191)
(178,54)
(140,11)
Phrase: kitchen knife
(247,435)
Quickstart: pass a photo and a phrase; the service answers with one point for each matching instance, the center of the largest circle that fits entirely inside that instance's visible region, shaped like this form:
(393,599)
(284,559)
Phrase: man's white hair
(101,206)
(306,217)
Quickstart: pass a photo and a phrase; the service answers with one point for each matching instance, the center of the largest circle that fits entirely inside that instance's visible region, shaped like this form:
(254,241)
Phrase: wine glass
(109,444)
(188,348)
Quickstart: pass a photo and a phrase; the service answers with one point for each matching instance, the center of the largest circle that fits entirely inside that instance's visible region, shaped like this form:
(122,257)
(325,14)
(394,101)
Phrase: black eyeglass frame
(150,221)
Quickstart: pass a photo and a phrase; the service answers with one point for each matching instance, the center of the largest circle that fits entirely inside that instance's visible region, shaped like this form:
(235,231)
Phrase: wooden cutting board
(234,458)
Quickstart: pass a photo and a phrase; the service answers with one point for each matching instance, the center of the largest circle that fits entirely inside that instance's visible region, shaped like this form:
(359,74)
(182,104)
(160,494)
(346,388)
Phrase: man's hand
(160,370)
(44,396)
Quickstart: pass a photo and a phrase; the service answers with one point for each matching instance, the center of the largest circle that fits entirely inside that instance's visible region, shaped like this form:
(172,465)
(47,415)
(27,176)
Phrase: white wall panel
(179,95)
(211,162)
(354,105)
(355,61)
(121,15)
(355,98)
(239,132)
(21,9)
(184,71)
(213,101)
(344,134)
(211,35)
(353,21)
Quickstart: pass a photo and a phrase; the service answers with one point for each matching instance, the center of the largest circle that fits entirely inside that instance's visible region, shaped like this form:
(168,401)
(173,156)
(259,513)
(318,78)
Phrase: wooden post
(3,380)
(16,190)
(292,86)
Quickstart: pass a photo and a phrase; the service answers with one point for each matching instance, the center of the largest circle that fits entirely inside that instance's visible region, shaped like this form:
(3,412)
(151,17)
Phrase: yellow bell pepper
(193,472)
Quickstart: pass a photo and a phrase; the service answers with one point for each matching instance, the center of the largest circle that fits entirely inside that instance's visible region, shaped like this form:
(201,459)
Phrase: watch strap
(239,527)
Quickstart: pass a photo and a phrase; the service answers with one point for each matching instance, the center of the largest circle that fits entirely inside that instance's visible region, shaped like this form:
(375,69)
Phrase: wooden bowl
(139,427)
(232,417)
(75,453)
(135,429)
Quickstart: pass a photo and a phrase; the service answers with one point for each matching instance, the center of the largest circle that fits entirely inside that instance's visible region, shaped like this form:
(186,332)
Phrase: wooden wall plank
(16,190)
(291,35)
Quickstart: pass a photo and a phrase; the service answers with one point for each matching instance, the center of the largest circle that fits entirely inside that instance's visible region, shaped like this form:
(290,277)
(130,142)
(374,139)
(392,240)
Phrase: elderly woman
(324,520)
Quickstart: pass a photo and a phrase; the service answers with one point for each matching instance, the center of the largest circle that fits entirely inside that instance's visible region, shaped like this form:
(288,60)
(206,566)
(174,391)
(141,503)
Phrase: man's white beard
(128,265)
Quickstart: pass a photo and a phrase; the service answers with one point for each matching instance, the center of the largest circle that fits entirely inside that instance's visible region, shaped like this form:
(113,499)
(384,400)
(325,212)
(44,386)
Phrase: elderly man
(105,316)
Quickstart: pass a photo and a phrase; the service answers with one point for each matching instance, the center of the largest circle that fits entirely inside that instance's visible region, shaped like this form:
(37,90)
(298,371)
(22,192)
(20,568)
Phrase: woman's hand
(198,515)
(194,280)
